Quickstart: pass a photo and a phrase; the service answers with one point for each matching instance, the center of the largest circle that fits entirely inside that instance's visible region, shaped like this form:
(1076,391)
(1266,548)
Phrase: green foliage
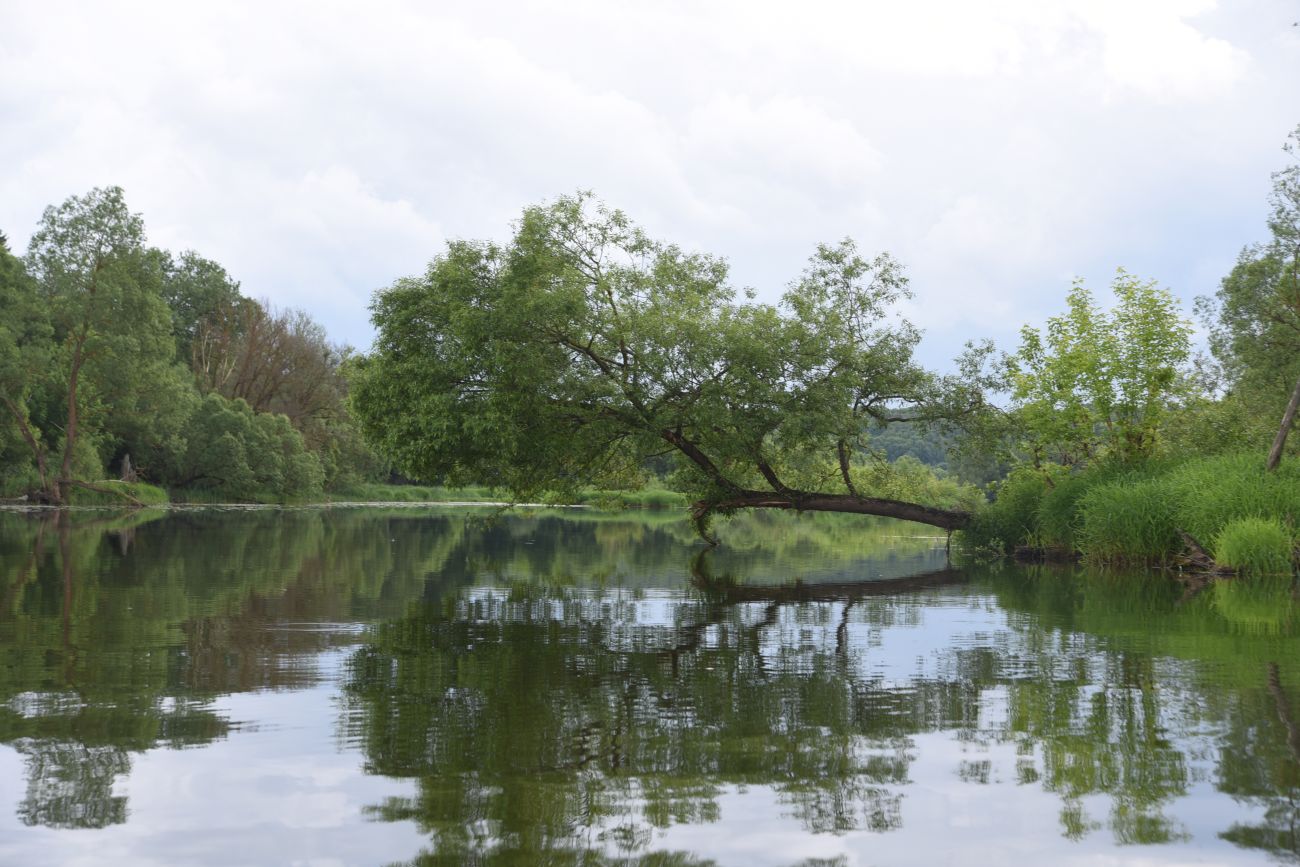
(240,455)
(1133,512)
(26,346)
(1099,383)
(1254,317)
(1256,546)
(572,355)
(1208,426)
(194,288)
(110,350)
(1130,518)
(910,480)
(1212,492)
(1012,518)
(96,344)
(118,493)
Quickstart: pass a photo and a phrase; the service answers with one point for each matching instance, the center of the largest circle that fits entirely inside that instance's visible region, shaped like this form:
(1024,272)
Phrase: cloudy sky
(321,150)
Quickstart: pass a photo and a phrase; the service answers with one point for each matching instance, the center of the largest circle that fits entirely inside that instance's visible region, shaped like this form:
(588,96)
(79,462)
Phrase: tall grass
(1255,546)
(1133,513)
(1012,518)
(1127,520)
(116,493)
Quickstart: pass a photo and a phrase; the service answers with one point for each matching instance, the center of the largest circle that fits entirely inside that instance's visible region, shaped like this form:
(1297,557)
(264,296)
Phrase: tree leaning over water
(582,348)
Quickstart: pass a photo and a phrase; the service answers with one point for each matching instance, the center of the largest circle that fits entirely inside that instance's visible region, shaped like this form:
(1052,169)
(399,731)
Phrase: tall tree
(583,348)
(1099,382)
(1255,315)
(25,344)
(111,326)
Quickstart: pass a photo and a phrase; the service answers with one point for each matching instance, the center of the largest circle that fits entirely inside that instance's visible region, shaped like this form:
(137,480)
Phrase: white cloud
(321,150)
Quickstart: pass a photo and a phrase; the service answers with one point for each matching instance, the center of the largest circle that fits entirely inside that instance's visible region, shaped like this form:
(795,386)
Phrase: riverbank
(117,493)
(1151,513)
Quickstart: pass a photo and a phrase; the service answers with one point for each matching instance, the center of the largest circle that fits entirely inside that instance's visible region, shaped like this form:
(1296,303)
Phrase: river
(384,685)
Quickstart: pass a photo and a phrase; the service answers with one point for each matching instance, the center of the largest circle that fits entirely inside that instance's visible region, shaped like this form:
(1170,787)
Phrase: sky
(999,149)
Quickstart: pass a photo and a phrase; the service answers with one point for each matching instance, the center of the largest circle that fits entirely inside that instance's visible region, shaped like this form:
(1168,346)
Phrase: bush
(1012,518)
(1130,519)
(1255,546)
(237,454)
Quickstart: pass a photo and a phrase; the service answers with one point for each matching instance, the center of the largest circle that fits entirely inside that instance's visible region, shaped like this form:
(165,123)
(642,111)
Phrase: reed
(1256,546)
(1127,520)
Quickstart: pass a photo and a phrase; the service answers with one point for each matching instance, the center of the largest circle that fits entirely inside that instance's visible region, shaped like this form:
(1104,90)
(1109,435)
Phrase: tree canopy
(108,347)
(582,348)
(1255,315)
(1099,383)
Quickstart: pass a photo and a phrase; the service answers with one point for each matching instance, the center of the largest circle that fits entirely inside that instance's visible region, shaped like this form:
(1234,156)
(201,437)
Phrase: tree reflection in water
(543,720)
(567,688)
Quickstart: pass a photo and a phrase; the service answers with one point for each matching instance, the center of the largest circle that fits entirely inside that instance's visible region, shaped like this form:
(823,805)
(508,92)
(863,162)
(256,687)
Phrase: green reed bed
(1256,546)
(1128,520)
(1242,515)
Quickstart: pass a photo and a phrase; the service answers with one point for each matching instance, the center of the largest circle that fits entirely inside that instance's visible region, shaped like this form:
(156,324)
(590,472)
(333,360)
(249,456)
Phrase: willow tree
(582,348)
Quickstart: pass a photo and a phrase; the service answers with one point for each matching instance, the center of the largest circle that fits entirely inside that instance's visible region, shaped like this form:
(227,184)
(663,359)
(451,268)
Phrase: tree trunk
(70,432)
(38,450)
(1288,419)
(946,519)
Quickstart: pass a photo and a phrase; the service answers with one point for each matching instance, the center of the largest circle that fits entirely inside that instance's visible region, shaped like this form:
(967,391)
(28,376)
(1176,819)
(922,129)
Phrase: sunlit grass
(1255,546)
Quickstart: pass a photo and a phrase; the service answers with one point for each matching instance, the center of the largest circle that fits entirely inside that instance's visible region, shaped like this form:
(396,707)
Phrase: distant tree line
(118,358)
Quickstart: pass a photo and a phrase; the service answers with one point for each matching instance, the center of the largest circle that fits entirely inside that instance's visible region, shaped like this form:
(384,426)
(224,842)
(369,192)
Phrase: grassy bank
(115,493)
(1244,517)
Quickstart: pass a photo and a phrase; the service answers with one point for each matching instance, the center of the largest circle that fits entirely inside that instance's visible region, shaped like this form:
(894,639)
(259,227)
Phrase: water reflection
(588,688)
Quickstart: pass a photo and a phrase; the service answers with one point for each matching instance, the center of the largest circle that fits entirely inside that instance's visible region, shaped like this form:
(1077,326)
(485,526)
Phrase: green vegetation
(119,357)
(582,350)
(1256,546)
(1125,454)
(1100,384)
(1134,513)
(582,362)
(1254,318)
(112,492)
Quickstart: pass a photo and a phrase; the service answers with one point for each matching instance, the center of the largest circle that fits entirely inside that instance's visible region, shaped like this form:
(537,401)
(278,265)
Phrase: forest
(120,360)
(583,355)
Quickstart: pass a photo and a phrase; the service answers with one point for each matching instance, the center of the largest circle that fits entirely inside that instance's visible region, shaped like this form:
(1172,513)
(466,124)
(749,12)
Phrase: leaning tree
(583,349)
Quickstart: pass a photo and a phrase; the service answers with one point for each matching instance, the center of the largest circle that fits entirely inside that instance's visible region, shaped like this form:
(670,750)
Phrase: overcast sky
(321,150)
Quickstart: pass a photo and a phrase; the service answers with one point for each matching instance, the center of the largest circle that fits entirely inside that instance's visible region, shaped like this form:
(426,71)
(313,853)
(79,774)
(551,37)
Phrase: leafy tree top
(1100,382)
(581,348)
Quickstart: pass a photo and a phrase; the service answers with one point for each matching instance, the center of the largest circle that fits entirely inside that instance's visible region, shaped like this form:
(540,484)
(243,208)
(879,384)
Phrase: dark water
(374,686)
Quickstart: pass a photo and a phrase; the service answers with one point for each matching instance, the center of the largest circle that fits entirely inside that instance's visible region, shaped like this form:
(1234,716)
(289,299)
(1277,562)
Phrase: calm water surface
(380,686)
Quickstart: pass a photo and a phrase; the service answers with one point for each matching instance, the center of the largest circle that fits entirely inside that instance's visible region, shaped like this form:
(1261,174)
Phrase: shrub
(1129,519)
(1012,518)
(1255,546)
(237,454)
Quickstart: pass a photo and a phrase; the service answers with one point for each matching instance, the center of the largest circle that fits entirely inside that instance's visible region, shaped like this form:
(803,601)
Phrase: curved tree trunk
(945,519)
